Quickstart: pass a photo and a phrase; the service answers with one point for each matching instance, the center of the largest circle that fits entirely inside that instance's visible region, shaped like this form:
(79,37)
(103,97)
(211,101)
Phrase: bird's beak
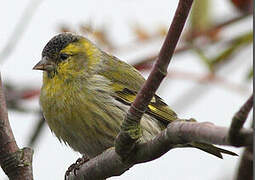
(44,65)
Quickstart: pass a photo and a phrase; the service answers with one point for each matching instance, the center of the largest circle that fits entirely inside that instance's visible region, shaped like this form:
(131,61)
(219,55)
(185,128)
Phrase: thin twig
(194,35)
(217,26)
(37,131)
(125,141)
(149,60)
(16,163)
(238,122)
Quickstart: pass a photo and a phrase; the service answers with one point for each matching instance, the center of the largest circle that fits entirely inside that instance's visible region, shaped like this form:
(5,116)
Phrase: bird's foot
(76,166)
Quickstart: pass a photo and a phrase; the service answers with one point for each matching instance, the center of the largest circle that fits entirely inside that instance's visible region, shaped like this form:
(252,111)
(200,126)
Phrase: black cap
(57,43)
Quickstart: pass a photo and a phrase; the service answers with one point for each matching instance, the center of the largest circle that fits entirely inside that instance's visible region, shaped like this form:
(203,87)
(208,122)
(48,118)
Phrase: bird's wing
(157,107)
(126,82)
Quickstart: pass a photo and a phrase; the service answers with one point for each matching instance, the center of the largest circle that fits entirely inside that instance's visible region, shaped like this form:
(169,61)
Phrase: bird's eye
(63,56)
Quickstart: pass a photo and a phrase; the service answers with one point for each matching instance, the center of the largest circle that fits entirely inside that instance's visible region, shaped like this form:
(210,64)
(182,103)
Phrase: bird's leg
(76,166)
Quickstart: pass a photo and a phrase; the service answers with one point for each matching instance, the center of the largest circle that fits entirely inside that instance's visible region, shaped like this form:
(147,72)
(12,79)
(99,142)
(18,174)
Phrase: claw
(76,166)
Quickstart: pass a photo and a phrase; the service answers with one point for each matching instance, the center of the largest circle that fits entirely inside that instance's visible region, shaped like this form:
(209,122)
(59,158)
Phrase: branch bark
(109,163)
(238,122)
(245,169)
(16,163)
(130,130)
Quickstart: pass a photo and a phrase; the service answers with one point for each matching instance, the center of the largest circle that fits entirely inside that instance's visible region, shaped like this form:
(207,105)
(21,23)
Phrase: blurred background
(209,78)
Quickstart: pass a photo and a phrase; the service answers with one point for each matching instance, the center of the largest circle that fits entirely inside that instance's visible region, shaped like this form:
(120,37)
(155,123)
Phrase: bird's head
(67,53)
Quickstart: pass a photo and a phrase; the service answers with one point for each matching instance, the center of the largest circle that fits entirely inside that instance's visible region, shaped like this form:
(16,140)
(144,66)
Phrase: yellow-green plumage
(86,94)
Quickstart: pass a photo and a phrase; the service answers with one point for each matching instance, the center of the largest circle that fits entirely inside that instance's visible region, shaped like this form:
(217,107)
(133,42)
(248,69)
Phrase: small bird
(86,94)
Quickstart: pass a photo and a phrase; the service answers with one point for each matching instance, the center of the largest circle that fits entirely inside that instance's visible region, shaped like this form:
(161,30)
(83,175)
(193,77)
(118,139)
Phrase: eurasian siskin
(86,94)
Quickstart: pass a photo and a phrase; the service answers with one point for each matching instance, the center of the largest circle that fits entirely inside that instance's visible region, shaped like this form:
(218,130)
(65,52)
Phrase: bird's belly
(90,126)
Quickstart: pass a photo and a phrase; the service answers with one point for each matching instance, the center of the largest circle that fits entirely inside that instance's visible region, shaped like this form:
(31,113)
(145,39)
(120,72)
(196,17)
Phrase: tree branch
(130,129)
(245,169)
(148,60)
(16,163)
(37,130)
(109,163)
(238,122)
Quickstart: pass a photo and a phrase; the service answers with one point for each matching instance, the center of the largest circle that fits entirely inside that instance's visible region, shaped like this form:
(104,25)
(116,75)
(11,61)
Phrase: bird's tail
(211,149)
